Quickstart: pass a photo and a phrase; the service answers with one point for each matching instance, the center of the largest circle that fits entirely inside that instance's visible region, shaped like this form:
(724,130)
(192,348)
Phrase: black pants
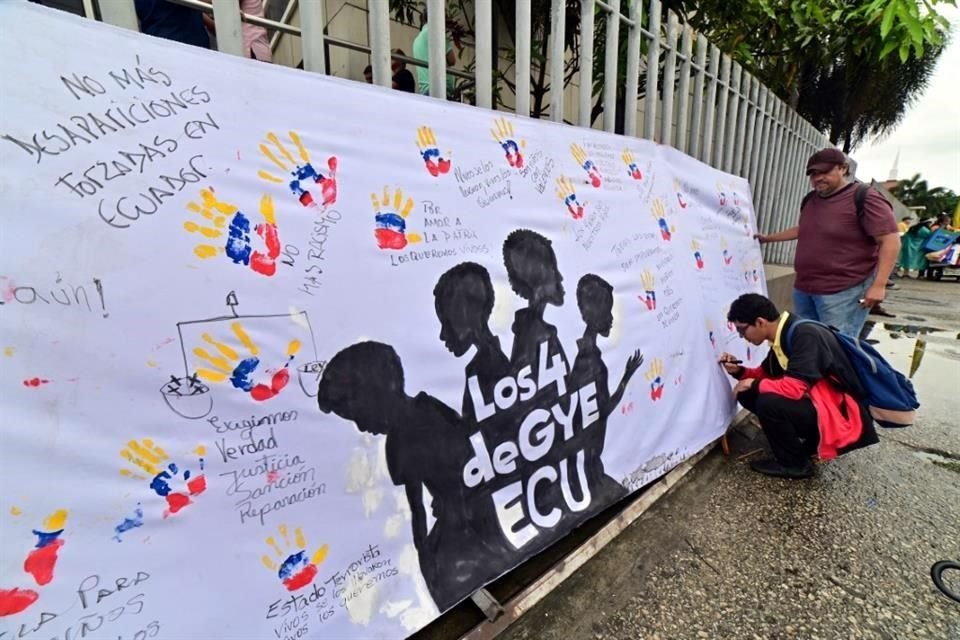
(790,425)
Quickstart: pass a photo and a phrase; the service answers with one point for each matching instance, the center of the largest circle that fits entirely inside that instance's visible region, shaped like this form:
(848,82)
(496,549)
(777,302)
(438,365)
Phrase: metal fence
(694,97)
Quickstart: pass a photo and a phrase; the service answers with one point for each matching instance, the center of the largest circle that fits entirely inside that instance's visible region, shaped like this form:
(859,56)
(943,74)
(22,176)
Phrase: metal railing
(727,118)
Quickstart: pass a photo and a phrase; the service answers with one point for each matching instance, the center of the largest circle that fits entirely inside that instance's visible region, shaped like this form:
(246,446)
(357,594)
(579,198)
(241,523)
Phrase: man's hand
(874,295)
(744,385)
(761,238)
(730,363)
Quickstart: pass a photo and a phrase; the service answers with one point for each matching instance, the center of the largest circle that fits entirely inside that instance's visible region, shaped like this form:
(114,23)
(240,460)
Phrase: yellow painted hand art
(678,189)
(225,363)
(659,213)
(503,133)
(235,239)
(391,220)
(632,169)
(300,169)
(566,193)
(696,254)
(293,566)
(150,459)
(436,164)
(648,281)
(654,376)
(593,172)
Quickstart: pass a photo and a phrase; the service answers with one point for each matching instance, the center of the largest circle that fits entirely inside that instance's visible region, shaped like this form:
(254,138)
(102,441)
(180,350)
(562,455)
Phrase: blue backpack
(890,395)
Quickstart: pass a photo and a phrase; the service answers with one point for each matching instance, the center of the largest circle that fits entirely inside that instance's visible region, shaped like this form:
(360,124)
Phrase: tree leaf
(889,46)
(887,23)
(904,52)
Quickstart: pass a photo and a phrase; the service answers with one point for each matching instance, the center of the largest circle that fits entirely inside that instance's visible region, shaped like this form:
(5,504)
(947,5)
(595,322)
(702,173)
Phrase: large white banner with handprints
(296,357)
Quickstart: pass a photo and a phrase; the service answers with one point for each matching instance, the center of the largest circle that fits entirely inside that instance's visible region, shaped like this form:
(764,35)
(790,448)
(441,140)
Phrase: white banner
(287,356)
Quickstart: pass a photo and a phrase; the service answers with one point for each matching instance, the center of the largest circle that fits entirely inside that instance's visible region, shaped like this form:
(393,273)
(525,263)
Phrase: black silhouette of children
(426,447)
(595,300)
(532,270)
(464,299)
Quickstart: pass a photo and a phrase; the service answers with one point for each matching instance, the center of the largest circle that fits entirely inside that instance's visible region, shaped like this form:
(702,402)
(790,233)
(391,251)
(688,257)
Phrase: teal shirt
(912,255)
(421,51)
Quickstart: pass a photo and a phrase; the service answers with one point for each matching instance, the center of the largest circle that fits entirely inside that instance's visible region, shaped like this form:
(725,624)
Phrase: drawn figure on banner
(225,362)
(724,247)
(534,276)
(391,220)
(654,377)
(436,164)
(678,189)
(151,459)
(632,169)
(294,565)
(595,301)
(503,133)
(40,563)
(426,450)
(589,166)
(697,256)
(209,359)
(237,243)
(659,212)
(649,281)
(301,171)
(721,194)
(566,193)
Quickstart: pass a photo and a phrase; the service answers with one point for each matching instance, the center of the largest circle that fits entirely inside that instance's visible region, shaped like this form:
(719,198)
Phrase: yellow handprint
(296,570)
(566,193)
(659,213)
(237,244)
(696,254)
(391,220)
(226,363)
(503,134)
(427,144)
(593,172)
(632,169)
(648,281)
(300,169)
(654,376)
(153,460)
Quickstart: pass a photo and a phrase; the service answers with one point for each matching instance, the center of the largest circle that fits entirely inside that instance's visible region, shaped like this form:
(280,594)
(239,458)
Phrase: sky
(928,138)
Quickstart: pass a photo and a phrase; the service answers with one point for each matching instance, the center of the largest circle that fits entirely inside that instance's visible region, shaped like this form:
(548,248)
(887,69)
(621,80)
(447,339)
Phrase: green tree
(915,192)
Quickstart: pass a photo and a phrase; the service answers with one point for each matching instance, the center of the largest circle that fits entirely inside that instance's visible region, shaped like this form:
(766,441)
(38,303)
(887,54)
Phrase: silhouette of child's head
(361,383)
(463,298)
(532,267)
(595,299)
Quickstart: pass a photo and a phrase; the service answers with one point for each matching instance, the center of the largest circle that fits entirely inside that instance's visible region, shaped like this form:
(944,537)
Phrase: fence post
(669,75)
(226,13)
(653,66)
(744,101)
(733,135)
(558,28)
(633,71)
(724,89)
(483,17)
(311,25)
(522,70)
(120,13)
(379,18)
(696,120)
(610,68)
(585,96)
(710,111)
(683,120)
(436,46)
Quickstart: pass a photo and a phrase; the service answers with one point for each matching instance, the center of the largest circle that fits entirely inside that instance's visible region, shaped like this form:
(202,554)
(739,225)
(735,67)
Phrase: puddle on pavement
(948,463)
(911,350)
(910,330)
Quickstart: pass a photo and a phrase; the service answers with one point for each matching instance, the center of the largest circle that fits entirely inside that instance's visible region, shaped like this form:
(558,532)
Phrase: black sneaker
(771,467)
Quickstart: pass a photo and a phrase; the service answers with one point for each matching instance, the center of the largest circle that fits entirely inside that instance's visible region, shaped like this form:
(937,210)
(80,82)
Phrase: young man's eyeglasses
(741,329)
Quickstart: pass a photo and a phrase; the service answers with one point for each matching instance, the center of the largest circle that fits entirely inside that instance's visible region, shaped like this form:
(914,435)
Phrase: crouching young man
(806,395)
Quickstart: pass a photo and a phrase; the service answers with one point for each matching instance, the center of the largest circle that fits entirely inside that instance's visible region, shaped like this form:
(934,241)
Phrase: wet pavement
(732,554)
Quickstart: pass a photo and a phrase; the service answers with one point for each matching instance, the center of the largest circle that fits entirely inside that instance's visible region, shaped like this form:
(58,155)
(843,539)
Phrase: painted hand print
(302,173)
(235,236)
(697,256)
(222,361)
(711,335)
(593,172)
(649,299)
(150,459)
(632,169)
(724,248)
(678,189)
(390,218)
(294,565)
(654,376)
(436,164)
(565,192)
(40,563)
(659,212)
(503,133)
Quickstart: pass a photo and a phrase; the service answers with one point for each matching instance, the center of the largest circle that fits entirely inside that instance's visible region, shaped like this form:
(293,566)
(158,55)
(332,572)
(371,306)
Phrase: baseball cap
(825,159)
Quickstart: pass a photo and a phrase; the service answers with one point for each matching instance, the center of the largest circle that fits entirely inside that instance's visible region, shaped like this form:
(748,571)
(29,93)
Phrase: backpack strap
(806,199)
(788,338)
(860,199)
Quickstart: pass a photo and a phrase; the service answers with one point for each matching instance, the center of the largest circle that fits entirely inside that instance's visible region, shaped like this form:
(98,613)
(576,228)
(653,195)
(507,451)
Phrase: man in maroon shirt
(843,259)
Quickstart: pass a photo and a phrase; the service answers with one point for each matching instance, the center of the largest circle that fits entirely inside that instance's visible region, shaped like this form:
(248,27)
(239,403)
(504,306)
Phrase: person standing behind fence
(164,19)
(844,259)
(421,51)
